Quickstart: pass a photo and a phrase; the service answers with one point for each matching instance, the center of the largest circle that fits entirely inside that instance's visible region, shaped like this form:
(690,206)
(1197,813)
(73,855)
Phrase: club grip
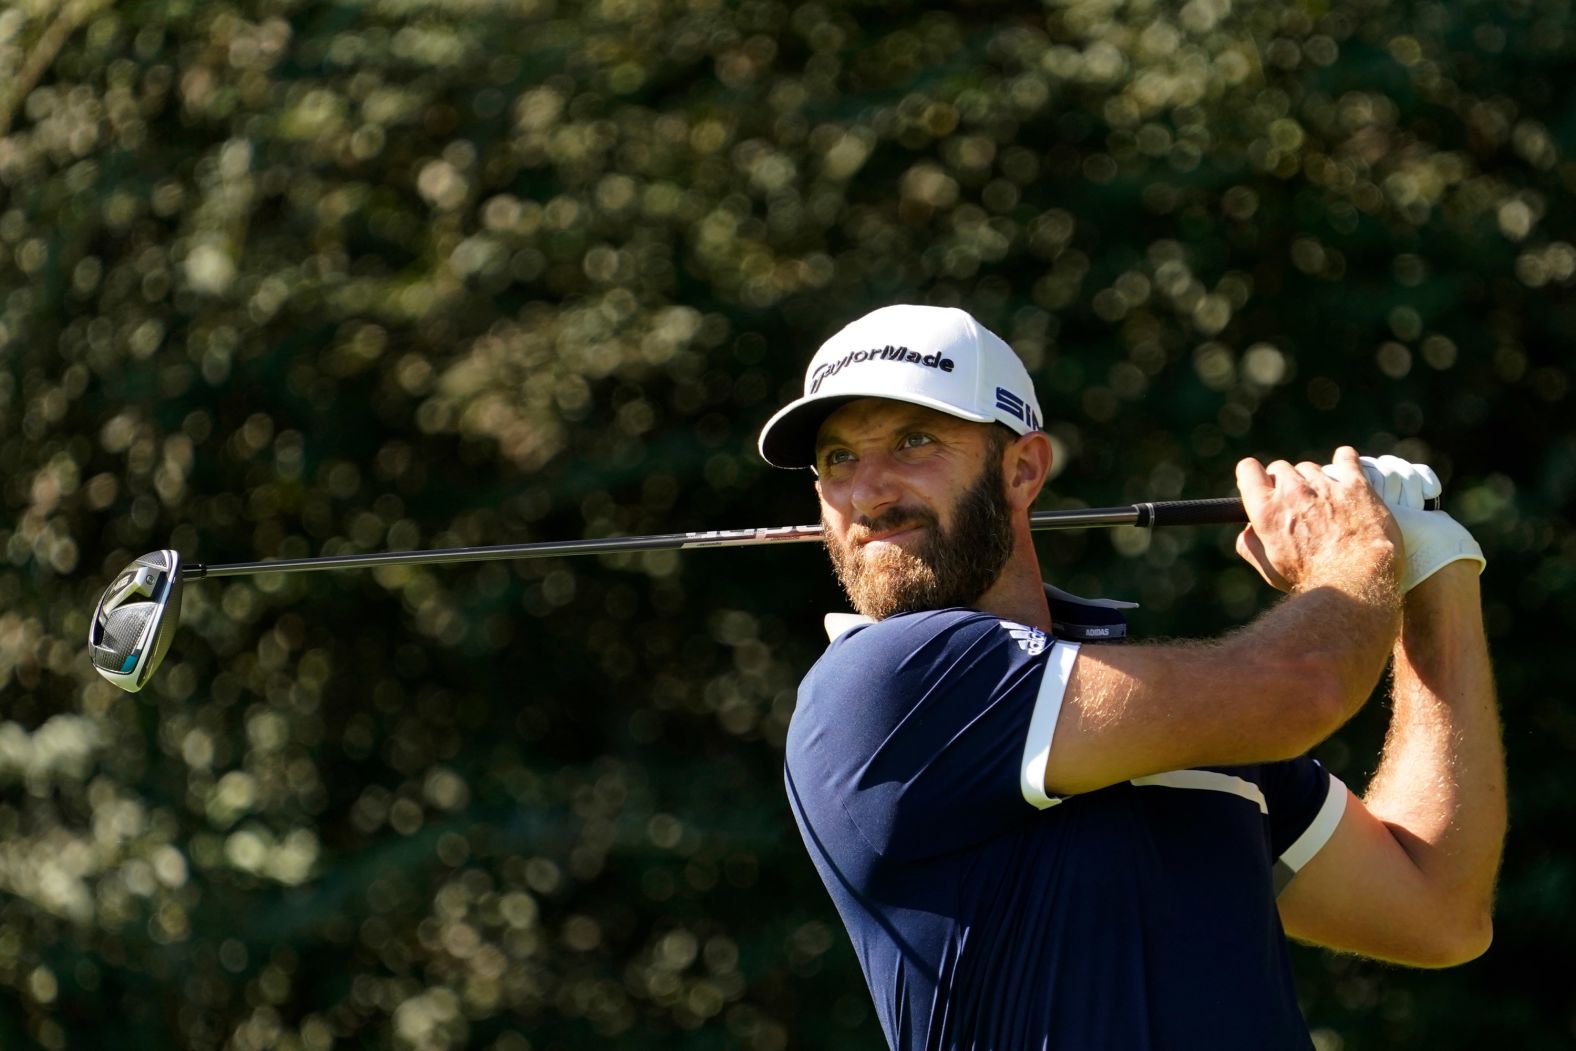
(1223,510)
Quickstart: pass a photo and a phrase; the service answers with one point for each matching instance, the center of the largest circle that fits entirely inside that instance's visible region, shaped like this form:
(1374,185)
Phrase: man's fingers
(1246,550)
(1296,480)
(1406,484)
(1254,483)
(1398,482)
(1373,474)
(1431,484)
(1283,473)
(1302,513)
(1313,474)
(1345,465)
(1393,469)
(1251,549)
(1258,482)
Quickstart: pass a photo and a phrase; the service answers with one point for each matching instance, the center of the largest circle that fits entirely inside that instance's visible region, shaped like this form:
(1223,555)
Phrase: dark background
(289,278)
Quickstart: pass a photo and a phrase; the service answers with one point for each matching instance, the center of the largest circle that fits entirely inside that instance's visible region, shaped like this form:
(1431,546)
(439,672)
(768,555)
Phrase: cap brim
(788,439)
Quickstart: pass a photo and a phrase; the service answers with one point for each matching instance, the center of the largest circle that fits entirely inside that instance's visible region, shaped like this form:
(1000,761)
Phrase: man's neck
(1019,594)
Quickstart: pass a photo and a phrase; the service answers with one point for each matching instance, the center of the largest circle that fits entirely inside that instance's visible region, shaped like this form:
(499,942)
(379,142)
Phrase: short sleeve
(917,727)
(1305,804)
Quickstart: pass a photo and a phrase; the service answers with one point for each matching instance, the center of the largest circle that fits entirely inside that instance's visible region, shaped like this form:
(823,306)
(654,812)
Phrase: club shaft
(1227,510)
(1222,511)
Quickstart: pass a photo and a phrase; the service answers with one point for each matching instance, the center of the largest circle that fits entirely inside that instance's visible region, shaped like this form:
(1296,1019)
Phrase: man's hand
(1433,539)
(1312,525)
(1399,483)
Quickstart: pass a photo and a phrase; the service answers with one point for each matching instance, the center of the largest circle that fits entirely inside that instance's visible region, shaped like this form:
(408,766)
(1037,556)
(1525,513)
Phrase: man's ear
(1026,463)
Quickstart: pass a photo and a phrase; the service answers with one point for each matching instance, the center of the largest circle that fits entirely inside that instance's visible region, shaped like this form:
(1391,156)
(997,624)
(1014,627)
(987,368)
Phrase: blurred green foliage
(292,277)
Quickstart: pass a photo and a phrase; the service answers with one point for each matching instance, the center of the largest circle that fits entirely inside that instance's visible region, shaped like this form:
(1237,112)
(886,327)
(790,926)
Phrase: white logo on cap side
(1014,405)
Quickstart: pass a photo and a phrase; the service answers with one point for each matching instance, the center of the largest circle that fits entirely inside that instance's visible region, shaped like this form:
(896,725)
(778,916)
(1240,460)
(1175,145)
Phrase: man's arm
(1409,874)
(1277,687)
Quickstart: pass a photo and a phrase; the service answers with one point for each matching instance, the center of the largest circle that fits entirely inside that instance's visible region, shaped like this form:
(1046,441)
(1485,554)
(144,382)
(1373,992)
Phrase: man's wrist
(1433,541)
(1370,572)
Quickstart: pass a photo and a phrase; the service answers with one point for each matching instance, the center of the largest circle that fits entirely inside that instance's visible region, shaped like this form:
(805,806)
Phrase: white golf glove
(1433,539)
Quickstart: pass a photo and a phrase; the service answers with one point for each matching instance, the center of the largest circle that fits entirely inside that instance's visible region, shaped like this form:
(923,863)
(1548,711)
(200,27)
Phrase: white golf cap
(938,357)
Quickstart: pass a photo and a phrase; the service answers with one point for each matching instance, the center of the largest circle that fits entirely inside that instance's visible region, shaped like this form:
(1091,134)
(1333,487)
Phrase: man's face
(913,506)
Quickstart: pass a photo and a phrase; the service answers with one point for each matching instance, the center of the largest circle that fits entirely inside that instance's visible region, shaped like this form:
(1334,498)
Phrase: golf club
(131,627)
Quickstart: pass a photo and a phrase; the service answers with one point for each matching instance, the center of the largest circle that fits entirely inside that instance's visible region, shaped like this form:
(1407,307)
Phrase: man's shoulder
(1074,619)
(876,676)
(905,633)
(926,647)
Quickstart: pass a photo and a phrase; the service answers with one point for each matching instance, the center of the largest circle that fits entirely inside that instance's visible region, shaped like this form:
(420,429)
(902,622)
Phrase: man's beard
(945,568)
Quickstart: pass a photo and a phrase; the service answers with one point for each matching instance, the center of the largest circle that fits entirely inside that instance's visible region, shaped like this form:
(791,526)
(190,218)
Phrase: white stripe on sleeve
(1209,781)
(1320,829)
(1042,724)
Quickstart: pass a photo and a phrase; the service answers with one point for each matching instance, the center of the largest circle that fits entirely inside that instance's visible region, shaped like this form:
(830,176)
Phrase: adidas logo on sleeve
(1030,640)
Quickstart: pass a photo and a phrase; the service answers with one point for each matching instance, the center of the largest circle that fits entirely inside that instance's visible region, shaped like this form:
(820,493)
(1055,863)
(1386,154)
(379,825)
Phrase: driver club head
(138,613)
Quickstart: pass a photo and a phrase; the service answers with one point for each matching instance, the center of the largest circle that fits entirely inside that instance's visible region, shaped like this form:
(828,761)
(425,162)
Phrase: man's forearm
(1340,627)
(1346,618)
(1440,785)
(1270,691)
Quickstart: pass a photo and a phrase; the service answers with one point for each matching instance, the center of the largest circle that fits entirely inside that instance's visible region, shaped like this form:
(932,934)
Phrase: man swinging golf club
(1039,841)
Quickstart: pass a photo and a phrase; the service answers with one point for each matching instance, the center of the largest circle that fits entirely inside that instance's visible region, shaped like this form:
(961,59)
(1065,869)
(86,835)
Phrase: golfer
(1039,836)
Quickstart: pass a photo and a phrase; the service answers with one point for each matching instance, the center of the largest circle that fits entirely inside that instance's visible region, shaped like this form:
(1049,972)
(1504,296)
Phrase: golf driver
(135,619)
(131,629)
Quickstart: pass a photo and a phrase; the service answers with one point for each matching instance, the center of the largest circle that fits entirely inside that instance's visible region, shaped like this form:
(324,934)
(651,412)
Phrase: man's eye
(835,457)
(913,441)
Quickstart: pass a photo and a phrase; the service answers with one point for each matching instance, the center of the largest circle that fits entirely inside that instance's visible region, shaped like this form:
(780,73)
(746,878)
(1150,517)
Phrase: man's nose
(874,486)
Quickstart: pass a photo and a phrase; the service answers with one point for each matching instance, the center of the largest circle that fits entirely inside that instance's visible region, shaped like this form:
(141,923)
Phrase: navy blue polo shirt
(987,915)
